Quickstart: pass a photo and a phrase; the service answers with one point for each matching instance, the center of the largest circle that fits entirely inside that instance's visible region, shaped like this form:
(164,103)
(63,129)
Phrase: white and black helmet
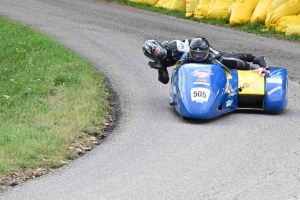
(199,49)
(153,50)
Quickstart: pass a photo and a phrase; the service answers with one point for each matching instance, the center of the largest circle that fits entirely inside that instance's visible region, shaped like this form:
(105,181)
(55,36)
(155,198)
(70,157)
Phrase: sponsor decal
(202,80)
(274,90)
(229,103)
(255,87)
(276,72)
(229,89)
(202,74)
(245,85)
(201,83)
(274,80)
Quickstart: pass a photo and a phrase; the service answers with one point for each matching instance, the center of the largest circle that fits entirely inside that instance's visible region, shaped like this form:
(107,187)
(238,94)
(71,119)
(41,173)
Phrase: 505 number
(200,94)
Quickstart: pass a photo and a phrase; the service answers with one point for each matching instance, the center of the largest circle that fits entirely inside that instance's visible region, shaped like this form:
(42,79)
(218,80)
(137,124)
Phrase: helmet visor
(198,55)
(158,52)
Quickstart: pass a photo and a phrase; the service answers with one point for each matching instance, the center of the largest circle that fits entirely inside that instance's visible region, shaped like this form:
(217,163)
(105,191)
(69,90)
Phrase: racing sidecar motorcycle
(205,91)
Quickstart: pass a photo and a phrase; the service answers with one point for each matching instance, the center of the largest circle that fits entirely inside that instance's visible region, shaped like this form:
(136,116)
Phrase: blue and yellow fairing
(205,91)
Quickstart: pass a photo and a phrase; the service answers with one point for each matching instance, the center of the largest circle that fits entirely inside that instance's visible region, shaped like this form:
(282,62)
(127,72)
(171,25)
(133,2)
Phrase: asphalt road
(153,153)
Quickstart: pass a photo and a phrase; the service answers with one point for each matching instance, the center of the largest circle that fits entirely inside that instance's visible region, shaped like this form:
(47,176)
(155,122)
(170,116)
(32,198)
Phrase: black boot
(260,60)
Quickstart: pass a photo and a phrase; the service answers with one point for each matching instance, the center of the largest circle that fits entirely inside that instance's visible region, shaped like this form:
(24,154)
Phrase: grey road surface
(153,153)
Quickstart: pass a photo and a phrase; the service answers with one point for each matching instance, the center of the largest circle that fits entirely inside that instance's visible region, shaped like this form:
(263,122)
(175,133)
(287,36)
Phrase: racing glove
(163,75)
(155,65)
(263,71)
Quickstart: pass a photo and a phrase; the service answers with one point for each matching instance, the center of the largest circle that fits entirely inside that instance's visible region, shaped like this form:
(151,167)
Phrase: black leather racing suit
(176,48)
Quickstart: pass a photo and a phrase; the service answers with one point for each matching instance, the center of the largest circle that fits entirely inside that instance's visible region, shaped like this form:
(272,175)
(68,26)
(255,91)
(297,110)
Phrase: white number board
(200,94)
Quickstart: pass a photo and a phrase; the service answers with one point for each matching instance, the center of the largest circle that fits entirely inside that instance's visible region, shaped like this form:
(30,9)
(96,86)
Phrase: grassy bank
(50,100)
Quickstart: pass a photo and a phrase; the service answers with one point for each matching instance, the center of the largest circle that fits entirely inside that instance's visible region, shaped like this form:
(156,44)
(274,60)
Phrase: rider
(164,55)
(168,53)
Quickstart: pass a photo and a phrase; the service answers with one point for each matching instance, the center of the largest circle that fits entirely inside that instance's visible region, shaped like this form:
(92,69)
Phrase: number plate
(200,94)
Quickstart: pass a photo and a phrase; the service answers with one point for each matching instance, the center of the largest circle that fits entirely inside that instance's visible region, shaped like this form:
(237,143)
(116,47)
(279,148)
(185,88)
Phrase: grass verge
(52,103)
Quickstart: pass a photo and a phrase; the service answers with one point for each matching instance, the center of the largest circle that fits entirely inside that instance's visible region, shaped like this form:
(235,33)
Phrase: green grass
(258,29)
(48,98)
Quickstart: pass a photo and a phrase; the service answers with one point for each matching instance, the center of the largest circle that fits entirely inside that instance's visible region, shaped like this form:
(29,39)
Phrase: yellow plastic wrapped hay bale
(177,5)
(274,5)
(219,9)
(160,3)
(151,2)
(284,21)
(190,7)
(260,12)
(242,11)
(291,7)
(292,29)
(202,8)
(230,9)
(171,4)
